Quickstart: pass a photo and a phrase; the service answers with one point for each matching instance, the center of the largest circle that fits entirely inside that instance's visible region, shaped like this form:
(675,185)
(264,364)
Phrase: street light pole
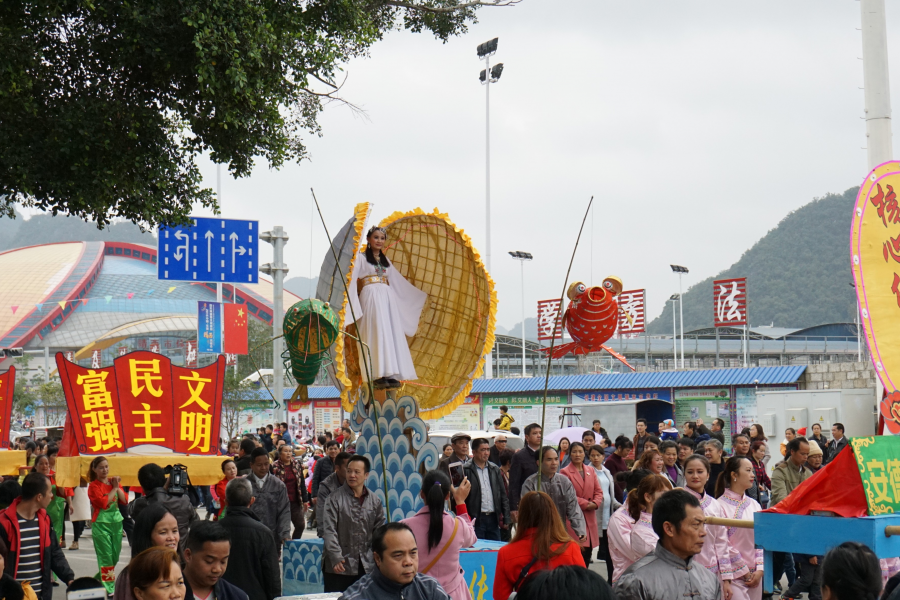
(674,298)
(680,270)
(487,77)
(277,269)
(522,257)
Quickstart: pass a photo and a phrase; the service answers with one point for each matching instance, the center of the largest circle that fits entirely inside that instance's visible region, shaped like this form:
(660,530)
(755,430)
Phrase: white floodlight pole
(674,332)
(681,317)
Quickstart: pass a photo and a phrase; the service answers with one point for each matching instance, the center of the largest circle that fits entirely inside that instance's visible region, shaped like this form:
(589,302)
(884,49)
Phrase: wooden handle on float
(739,523)
(892,530)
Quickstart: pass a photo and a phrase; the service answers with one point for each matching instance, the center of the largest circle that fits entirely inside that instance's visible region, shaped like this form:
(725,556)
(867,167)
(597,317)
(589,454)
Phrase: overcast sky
(697,126)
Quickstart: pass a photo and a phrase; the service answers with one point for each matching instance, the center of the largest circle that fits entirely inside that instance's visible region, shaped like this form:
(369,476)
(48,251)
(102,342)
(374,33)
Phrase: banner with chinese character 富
(730,302)
(631,311)
(7,389)
(144,399)
(878,460)
(875,262)
(549,320)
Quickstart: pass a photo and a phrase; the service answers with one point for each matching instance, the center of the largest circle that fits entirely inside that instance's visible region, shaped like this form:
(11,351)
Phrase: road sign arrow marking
(209,237)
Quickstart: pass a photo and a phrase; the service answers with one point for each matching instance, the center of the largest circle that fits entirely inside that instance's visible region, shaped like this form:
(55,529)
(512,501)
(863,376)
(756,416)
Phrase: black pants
(77,529)
(339,583)
(487,527)
(298,518)
(810,581)
(603,554)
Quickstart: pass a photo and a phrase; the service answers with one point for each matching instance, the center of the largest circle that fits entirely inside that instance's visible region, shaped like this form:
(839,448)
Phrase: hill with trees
(47,229)
(798,274)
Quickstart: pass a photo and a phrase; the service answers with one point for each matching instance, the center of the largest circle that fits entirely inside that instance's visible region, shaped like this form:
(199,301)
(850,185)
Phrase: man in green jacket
(792,472)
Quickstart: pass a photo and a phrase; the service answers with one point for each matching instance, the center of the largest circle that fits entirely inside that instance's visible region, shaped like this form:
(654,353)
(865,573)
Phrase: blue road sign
(213,250)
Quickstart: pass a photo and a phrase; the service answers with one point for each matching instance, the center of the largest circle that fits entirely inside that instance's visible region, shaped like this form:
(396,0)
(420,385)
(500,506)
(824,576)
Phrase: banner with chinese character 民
(631,311)
(730,302)
(144,399)
(198,407)
(7,389)
(878,460)
(875,262)
(93,403)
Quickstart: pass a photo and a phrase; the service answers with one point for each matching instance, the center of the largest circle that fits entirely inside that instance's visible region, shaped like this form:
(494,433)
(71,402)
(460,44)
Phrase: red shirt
(513,557)
(290,482)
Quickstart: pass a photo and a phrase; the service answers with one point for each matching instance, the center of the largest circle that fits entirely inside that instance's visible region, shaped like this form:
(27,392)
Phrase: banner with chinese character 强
(631,311)
(875,262)
(549,320)
(730,302)
(878,460)
(144,399)
(7,388)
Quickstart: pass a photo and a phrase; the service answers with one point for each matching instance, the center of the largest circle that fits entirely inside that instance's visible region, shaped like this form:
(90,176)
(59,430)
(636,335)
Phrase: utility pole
(277,269)
(522,257)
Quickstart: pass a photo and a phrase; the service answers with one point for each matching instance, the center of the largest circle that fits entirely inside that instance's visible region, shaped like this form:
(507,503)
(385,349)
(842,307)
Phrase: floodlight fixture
(487,48)
(482,77)
(674,297)
(521,255)
(679,269)
(496,71)
(12,352)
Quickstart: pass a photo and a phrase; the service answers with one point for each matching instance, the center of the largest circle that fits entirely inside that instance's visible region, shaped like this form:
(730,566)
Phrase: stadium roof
(620,381)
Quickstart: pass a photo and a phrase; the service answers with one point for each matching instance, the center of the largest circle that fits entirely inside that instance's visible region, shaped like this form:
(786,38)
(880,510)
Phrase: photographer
(157,489)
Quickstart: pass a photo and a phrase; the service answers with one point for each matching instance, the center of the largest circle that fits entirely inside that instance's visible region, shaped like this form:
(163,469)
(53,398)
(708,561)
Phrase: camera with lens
(178,479)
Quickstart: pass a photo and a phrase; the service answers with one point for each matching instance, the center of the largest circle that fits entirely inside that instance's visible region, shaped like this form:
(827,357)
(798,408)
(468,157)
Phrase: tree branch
(448,9)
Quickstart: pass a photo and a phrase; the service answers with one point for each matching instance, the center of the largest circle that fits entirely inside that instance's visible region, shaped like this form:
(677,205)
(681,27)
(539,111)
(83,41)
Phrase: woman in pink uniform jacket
(731,489)
(718,555)
(440,535)
(589,494)
(630,529)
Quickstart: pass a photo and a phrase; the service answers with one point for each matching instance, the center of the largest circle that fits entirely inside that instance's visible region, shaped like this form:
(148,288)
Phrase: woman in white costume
(387,310)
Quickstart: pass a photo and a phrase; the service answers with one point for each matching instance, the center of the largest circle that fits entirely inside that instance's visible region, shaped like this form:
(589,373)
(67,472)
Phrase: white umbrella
(572,433)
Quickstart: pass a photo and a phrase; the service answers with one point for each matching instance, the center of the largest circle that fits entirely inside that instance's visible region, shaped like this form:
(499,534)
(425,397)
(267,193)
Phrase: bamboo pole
(891,530)
(736,523)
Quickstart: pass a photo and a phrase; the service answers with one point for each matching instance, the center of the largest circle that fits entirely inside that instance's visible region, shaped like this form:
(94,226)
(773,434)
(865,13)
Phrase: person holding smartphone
(106,494)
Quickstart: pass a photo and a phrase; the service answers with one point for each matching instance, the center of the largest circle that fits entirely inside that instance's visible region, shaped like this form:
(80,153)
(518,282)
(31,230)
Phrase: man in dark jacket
(524,464)
(153,480)
(205,562)
(487,501)
(332,483)
(717,432)
(324,467)
(253,564)
(837,443)
(242,462)
(26,536)
(271,503)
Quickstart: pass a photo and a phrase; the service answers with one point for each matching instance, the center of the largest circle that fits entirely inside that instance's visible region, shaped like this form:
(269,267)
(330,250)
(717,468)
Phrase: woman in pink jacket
(589,494)
(440,534)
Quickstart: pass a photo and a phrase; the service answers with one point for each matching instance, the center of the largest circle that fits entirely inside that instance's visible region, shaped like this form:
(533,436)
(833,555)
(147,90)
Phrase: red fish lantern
(591,319)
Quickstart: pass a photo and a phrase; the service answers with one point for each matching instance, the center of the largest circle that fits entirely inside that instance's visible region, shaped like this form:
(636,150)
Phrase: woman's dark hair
(732,465)
(537,511)
(150,566)
(37,460)
(370,256)
(444,449)
(650,484)
(756,446)
(225,462)
(563,583)
(435,487)
(760,434)
(52,449)
(559,445)
(852,572)
(91,475)
(144,526)
(623,442)
(580,445)
(506,456)
(597,448)
(631,479)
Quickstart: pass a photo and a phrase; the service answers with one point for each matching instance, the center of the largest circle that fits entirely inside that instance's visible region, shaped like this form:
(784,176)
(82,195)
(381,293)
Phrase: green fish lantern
(310,328)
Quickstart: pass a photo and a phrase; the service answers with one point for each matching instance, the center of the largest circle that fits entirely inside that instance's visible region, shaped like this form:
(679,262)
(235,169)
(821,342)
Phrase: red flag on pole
(235,329)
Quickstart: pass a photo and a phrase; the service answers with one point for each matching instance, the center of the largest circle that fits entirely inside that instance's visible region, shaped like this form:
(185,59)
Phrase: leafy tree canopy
(105,106)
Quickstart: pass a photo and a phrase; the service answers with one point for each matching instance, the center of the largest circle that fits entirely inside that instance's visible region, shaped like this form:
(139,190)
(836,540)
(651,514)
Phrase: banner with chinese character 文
(878,460)
(198,407)
(7,388)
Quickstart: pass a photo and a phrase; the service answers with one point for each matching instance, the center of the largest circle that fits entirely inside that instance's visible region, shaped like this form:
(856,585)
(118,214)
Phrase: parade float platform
(302,567)
(70,470)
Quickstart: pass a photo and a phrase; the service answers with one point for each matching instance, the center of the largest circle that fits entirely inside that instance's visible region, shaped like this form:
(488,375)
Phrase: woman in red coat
(541,542)
(590,497)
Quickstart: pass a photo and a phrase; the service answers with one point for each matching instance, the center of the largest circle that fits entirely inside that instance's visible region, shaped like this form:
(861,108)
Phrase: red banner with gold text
(7,389)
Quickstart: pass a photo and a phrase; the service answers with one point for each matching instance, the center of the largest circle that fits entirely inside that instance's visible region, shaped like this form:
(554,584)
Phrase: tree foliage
(105,106)
(798,274)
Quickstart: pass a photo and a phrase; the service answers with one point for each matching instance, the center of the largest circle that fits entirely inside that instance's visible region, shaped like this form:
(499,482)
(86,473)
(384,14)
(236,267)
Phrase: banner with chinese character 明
(144,399)
(730,302)
(7,388)
(631,311)
(549,320)
(875,262)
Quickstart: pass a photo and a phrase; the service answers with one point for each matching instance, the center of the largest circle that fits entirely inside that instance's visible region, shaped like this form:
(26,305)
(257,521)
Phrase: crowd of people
(640,501)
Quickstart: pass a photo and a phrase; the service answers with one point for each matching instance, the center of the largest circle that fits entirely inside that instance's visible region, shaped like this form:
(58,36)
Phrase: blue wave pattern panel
(301,566)
(407,452)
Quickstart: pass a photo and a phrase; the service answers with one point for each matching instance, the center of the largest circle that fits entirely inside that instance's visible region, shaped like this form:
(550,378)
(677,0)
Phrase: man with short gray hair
(253,565)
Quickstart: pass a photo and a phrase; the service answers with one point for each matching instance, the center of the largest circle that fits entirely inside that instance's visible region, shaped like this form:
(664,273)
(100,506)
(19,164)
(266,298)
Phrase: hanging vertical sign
(730,302)
(198,407)
(235,329)
(631,311)
(209,327)
(144,382)
(7,388)
(549,320)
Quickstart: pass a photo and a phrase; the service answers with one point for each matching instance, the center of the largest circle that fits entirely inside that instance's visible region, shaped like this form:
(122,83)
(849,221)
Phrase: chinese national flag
(235,329)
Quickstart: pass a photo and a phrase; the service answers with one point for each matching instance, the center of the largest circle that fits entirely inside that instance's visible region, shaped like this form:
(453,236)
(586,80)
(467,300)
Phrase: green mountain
(46,229)
(798,274)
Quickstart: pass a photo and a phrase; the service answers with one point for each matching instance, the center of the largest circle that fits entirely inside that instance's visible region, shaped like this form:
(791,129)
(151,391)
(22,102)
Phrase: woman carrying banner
(106,529)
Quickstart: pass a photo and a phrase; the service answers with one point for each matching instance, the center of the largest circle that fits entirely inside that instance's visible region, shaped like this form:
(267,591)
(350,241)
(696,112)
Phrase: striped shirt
(30,554)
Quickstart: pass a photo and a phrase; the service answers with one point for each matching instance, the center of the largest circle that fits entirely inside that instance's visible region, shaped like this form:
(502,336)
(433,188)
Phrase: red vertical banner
(730,302)
(144,380)
(549,320)
(7,388)
(197,395)
(235,329)
(631,311)
(93,403)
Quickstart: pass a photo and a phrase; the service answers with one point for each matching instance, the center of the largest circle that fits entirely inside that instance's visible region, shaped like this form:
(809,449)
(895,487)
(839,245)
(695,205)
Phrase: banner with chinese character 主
(7,388)
(875,262)
(144,399)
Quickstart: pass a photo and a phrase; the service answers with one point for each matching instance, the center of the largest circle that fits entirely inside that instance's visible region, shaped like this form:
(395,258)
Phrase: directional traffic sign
(220,250)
